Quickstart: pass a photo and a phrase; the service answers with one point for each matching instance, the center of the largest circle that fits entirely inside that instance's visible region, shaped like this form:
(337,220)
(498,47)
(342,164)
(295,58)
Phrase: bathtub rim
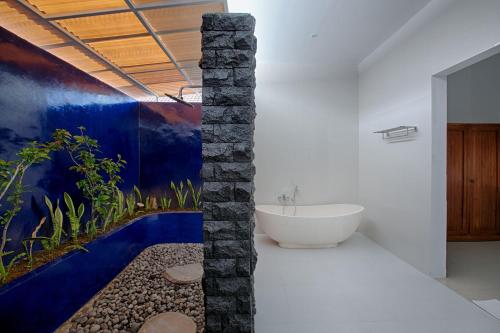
(359,209)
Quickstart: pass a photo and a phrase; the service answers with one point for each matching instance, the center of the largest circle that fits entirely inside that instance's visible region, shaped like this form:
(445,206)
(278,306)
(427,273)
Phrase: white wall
(395,88)
(306,133)
(474,93)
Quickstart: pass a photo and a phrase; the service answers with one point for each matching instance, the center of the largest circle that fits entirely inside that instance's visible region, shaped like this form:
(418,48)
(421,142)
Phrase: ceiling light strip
(115,68)
(160,43)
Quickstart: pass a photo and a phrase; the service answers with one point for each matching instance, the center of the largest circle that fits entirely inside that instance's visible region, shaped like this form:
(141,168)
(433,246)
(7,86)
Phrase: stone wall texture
(228,63)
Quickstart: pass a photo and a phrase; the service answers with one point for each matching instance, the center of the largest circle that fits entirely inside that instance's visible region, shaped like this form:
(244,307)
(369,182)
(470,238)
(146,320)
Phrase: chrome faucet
(285,200)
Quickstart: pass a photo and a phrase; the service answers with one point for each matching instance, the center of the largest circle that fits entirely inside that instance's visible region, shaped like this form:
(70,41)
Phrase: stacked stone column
(228,113)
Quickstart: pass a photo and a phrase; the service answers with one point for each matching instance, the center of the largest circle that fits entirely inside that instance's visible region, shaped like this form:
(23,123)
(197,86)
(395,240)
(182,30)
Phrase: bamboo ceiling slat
(101,26)
(78,58)
(194,74)
(61,7)
(148,68)
(15,18)
(171,88)
(180,18)
(182,44)
(131,51)
(135,92)
(111,78)
(172,75)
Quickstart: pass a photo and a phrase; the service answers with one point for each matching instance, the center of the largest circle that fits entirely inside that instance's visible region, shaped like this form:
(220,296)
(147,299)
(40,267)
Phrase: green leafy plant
(138,194)
(120,210)
(11,190)
(180,195)
(28,243)
(100,176)
(151,203)
(165,202)
(57,219)
(195,195)
(130,204)
(74,216)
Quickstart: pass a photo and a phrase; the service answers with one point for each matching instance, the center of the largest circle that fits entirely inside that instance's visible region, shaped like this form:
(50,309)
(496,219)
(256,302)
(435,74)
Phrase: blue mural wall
(40,93)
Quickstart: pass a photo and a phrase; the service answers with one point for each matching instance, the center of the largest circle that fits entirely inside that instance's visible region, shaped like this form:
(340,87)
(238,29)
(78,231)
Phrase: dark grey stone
(233,286)
(207,133)
(231,248)
(234,171)
(243,267)
(243,151)
(213,323)
(219,39)
(218,191)
(243,192)
(244,77)
(219,230)
(220,304)
(219,267)
(244,40)
(218,77)
(228,22)
(228,114)
(243,96)
(228,58)
(232,211)
(233,133)
(217,152)
(239,323)
(242,229)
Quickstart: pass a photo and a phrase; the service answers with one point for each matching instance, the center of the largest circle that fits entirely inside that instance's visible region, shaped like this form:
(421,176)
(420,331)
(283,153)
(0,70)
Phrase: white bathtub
(316,226)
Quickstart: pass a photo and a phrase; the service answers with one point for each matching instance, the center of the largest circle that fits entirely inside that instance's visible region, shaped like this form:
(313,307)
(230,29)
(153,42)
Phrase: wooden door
(457,223)
(473,182)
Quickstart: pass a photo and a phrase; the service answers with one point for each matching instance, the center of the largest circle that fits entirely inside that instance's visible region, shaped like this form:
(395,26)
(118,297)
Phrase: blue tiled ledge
(43,299)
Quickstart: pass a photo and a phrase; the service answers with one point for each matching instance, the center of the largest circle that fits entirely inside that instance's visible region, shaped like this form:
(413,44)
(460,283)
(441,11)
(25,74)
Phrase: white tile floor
(356,287)
(473,269)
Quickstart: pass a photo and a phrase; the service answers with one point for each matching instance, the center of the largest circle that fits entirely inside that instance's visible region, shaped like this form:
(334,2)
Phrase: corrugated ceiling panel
(101,26)
(183,45)
(78,58)
(180,18)
(131,51)
(60,7)
(111,78)
(28,26)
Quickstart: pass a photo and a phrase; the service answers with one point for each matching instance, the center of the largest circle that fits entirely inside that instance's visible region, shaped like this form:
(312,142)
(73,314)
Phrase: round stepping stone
(184,274)
(169,322)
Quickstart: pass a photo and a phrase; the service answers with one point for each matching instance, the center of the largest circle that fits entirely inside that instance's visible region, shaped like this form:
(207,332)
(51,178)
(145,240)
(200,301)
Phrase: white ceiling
(348,30)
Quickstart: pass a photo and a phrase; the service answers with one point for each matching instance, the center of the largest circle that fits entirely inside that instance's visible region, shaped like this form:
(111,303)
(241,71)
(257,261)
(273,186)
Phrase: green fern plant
(130,204)
(5,269)
(120,210)
(195,195)
(180,195)
(74,216)
(28,243)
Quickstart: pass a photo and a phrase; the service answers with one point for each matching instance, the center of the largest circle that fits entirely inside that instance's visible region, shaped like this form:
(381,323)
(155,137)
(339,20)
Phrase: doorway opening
(466,175)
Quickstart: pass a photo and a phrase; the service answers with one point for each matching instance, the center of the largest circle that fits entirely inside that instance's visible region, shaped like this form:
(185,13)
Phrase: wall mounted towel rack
(398,133)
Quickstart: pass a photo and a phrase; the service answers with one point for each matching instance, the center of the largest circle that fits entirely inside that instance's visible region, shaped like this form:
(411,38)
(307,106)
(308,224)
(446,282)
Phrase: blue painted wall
(40,93)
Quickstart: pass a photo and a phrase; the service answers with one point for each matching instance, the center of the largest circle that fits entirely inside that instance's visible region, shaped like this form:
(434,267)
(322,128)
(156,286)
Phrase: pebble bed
(141,291)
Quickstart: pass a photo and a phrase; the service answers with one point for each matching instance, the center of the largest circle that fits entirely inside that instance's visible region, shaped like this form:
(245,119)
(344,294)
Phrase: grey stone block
(217,152)
(243,192)
(228,96)
(243,151)
(213,323)
(244,40)
(207,172)
(219,230)
(232,211)
(220,304)
(218,191)
(238,323)
(228,58)
(219,267)
(243,267)
(219,39)
(233,286)
(207,248)
(218,77)
(233,133)
(228,22)
(231,248)
(234,171)
(242,229)
(244,77)
(207,133)
(228,114)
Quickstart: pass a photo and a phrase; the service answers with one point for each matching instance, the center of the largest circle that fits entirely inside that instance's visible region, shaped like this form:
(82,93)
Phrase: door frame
(439,119)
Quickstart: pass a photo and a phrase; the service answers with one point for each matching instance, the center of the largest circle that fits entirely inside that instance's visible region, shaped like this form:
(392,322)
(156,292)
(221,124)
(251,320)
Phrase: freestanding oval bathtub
(316,226)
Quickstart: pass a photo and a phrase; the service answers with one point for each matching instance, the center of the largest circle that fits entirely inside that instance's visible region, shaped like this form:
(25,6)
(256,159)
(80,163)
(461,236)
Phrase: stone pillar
(228,113)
